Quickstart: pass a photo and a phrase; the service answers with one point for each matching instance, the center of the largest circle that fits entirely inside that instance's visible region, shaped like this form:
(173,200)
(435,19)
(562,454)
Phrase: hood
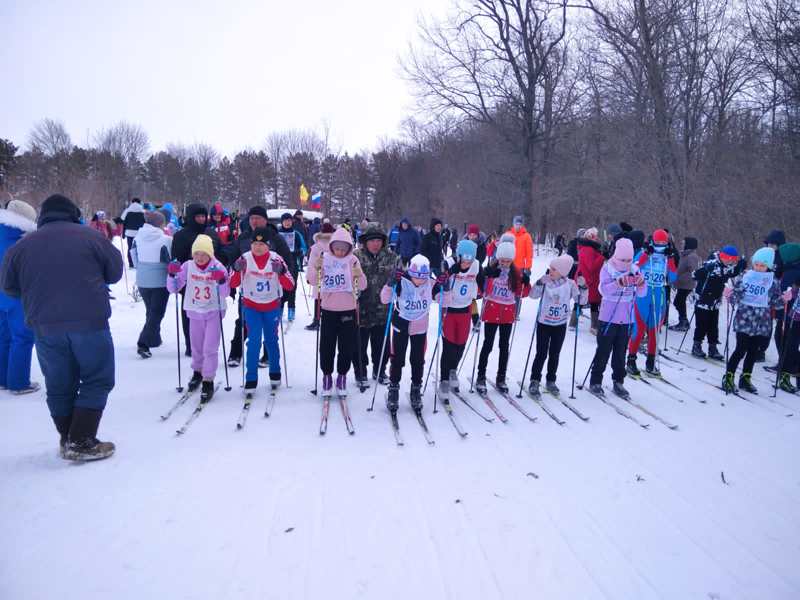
(191,212)
(322,238)
(522,231)
(373,231)
(15,221)
(776,236)
(637,237)
(342,235)
(148,233)
(790,253)
(434,223)
(587,243)
(406,221)
(689,243)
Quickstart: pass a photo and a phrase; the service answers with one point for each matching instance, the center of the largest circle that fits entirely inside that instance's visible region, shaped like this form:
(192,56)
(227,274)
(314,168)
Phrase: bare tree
(124,139)
(49,137)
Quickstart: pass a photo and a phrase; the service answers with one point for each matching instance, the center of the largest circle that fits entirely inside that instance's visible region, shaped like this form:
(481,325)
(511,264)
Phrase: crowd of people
(373,294)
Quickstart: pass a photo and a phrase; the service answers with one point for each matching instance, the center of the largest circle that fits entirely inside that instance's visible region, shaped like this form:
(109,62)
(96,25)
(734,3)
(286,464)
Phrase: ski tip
(239,427)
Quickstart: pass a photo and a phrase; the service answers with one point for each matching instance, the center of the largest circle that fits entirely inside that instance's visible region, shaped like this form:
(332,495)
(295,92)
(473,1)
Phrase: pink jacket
(175,284)
(338,301)
(320,245)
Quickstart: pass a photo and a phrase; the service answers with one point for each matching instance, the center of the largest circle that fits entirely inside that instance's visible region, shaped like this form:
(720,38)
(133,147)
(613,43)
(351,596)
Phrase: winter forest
(676,113)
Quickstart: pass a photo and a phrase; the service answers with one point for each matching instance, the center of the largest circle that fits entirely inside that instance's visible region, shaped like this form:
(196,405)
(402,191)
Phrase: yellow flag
(303,194)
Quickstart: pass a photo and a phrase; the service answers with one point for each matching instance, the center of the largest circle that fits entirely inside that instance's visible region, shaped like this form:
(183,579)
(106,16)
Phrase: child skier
(620,284)
(711,278)
(755,294)
(413,292)
(504,284)
(555,290)
(206,289)
(321,240)
(339,277)
(264,277)
(658,265)
(297,246)
(465,280)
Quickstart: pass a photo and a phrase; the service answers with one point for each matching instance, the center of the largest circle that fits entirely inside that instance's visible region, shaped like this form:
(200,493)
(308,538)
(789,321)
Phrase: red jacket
(590,261)
(502,314)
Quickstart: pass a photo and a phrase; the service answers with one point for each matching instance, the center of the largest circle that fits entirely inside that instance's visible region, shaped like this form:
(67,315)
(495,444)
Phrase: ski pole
(729,318)
(178,339)
(241,330)
(283,351)
(477,345)
(383,344)
(694,312)
(466,350)
(530,346)
(222,339)
(305,294)
(318,312)
(782,356)
(124,263)
(435,353)
(575,349)
(359,362)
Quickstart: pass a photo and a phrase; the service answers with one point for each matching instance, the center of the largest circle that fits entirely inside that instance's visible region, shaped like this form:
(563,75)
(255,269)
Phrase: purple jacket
(175,284)
(617,303)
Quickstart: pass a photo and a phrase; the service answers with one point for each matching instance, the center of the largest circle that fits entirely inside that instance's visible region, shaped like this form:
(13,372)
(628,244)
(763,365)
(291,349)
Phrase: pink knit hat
(562,264)
(623,250)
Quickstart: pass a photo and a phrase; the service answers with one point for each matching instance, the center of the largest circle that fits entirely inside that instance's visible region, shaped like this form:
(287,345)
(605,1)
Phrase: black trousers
(778,323)
(155,304)
(451,356)
(129,241)
(400,343)
(680,303)
(611,342)
(791,360)
(372,337)
(337,332)
(490,330)
(289,298)
(549,340)
(706,324)
(747,347)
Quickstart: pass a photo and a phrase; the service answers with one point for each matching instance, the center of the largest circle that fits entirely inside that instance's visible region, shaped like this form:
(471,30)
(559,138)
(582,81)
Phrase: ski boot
(747,385)
(681,325)
(341,385)
(727,383)
(206,392)
(454,381)
(250,387)
(713,353)
(263,362)
(444,391)
(361,380)
(620,390)
(313,326)
(476,323)
(415,396)
(697,349)
(785,383)
(234,361)
(650,366)
(533,389)
(393,397)
(501,384)
(480,384)
(597,389)
(383,379)
(290,315)
(274,381)
(552,388)
(327,386)
(144,352)
(631,367)
(62,426)
(32,387)
(195,381)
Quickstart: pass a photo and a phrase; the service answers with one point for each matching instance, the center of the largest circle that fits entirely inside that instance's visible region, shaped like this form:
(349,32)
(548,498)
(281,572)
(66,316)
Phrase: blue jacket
(652,306)
(150,253)
(408,240)
(12,228)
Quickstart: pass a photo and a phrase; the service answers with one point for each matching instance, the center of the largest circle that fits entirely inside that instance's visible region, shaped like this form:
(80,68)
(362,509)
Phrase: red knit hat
(660,237)
(473,228)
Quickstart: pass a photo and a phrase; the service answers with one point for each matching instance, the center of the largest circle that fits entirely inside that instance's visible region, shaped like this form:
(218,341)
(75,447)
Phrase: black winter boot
(62,426)
(195,381)
(82,443)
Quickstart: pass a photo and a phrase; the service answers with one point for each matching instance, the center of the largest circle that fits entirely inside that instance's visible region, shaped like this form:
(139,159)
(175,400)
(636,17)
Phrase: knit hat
(216,208)
(473,228)
(637,238)
(372,231)
(728,253)
(203,243)
(257,211)
(623,249)
(613,230)
(505,250)
(23,209)
(58,205)
(260,234)
(562,264)
(155,218)
(467,249)
(518,220)
(326,228)
(660,237)
(508,237)
(419,267)
(625,227)
(789,253)
(591,232)
(580,232)
(298,213)
(765,256)
(776,237)
(690,243)
(285,216)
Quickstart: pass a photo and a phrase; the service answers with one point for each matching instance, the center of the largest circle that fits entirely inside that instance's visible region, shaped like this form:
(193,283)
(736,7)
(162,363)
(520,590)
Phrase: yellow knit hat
(203,243)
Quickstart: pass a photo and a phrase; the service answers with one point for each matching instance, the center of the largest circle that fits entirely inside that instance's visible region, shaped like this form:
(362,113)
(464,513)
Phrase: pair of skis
(249,396)
(423,425)
(195,413)
(326,405)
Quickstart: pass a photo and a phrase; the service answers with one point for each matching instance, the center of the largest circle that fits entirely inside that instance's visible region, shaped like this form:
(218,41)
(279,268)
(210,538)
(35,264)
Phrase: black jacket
(61,272)
(275,241)
(711,278)
(182,240)
(431,247)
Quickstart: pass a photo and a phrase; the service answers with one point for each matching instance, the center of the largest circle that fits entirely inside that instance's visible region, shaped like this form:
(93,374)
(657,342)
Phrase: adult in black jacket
(61,272)
(431,246)
(256,218)
(132,219)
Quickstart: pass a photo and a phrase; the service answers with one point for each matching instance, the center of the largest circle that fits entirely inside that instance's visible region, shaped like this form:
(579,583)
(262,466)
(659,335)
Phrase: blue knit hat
(765,256)
(728,252)
(467,249)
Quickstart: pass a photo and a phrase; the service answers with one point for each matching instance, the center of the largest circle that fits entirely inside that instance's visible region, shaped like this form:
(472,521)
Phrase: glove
(543,280)
(787,295)
(638,279)
(218,275)
(278,267)
(581,281)
(442,278)
(357,272)
(649,249)
(173,268)
(492,271)
(240,264)
(526,272)
(727,293)
(394,277)
(526,279)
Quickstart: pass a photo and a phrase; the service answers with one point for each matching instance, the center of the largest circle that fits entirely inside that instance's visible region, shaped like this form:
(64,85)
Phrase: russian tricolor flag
(316,201)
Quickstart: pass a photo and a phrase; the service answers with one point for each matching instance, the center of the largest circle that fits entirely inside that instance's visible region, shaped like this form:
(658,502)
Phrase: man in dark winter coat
(572,250)
(684,285)
(431,246)
(132,220)
(378,262)
(775,239)
(408,241)
(256,219)
(61,272)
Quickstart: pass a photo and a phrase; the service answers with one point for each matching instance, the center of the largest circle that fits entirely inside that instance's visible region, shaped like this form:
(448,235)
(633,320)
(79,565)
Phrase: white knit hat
(505,251)
(23,209)
(419,267)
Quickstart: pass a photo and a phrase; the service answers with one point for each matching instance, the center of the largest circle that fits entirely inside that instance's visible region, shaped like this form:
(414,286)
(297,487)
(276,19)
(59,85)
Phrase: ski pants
(155,304)
(612,339)
(78,370)
(16,347)
(747,347)
(636,339)
(262,325)
(205,334)
(706,324)
(372,337)
(489,331)
(680,303)
(400,342)
(337,329)
(549,340)
(791,361)
(778,323)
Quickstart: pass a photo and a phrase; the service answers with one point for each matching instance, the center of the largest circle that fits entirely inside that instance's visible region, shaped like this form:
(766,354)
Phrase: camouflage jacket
(377,269)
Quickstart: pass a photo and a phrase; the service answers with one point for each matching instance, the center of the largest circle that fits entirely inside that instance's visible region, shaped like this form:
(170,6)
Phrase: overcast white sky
(216,71)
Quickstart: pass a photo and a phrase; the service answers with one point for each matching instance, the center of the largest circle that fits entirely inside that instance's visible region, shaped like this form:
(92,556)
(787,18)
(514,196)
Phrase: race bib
(655,270)
(201,294)
(464,290)
(756,288)
(501,291)
(555,309)
(414,301)
(336,274)
(290,238)
(260,285)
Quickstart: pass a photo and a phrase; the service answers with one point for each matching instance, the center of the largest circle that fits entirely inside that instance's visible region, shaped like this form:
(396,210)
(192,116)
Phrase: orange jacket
(523,257)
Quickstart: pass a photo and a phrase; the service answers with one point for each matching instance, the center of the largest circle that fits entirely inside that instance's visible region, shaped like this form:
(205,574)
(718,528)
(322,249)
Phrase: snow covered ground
(597,509)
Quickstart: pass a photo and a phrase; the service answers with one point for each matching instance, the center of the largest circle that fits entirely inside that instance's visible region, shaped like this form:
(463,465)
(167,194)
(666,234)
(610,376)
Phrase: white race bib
(555,309)
(337,274)
(756,288)
(260,285)
(501,291)
(201,293)
(414,301)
